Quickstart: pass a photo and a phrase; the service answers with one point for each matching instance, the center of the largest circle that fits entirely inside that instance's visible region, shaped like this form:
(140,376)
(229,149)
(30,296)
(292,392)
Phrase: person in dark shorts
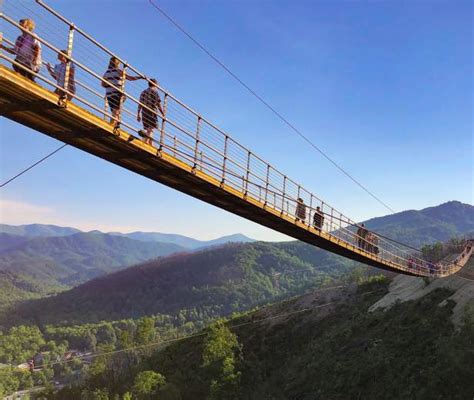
(300,210)
(150,103)
(361,237)
(113,78)
(318,219)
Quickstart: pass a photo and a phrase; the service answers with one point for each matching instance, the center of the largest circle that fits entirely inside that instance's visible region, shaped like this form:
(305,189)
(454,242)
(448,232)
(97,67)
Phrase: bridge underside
(36,107)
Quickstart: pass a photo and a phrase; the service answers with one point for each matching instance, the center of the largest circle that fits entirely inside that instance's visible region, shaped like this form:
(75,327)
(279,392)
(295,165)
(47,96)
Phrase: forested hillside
(38,266)
(319,346)
(76,258)
(200,285)
(37,260)
(177,295)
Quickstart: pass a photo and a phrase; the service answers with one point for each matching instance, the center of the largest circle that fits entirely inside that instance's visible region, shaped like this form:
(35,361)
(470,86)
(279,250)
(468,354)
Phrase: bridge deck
(36,107)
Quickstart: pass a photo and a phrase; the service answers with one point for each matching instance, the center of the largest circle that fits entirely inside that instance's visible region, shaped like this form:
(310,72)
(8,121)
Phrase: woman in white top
(58,72)
(27,50)
(114,77)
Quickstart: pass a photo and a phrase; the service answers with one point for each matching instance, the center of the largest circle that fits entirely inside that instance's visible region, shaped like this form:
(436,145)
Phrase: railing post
(310,209)
(332,210)
(163,121)
(196,148)
(174,146)
(105,108)
(297,202)
(225,159)
(266,183)
(247,173)
(67,73)
(122,97)
(283,195)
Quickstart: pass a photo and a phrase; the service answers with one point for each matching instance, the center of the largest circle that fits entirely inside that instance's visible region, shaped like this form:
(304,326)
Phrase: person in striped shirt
(113,81)
(150,103)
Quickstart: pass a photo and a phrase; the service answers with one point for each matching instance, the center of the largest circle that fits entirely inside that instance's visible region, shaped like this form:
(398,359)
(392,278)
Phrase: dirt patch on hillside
(405,288)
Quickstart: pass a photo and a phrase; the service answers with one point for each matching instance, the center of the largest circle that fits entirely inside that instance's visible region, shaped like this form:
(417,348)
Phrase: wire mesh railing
(113,90)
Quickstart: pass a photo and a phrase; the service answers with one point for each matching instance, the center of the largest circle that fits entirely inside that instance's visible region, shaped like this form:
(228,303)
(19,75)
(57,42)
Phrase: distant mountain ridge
(56,261)
(69,260)
(39,230)
(184,241)
(432,224)
(36,260)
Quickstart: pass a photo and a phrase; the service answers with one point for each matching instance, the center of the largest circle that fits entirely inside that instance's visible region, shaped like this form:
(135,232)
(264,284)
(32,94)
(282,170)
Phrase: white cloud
(18,213)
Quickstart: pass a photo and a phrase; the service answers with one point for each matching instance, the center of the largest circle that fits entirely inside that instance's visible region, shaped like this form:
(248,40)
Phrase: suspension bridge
(189,153)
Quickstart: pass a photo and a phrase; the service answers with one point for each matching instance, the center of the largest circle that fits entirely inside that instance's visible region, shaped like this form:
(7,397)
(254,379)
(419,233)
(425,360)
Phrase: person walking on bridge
(27,50)
(318,219)
(150,103)
(113,81)
(58,72)
(375,244)
(300,210)
(362,233)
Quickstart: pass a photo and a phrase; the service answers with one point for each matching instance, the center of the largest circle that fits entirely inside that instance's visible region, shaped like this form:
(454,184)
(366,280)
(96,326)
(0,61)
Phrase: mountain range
(185,242)
(384,338)
(75,258)
(200,285)
(310,337)
(432,224)
(37,260)
(220,280)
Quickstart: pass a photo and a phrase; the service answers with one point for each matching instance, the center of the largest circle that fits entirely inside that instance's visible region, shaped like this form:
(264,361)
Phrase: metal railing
(187,136)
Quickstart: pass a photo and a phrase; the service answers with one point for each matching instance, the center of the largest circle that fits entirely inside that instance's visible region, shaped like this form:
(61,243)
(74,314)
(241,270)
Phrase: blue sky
(385,88)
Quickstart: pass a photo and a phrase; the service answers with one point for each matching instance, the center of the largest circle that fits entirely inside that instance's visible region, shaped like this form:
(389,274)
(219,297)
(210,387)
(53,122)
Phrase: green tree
(9,381)
(145,331)
(220,354)
(147,383)
(97,394)
(106,335)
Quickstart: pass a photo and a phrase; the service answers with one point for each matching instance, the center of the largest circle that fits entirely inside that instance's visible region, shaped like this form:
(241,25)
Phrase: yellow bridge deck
(34,106)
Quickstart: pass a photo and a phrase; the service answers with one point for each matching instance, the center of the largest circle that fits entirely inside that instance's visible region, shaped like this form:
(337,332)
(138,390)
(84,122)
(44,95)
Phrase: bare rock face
(405,288)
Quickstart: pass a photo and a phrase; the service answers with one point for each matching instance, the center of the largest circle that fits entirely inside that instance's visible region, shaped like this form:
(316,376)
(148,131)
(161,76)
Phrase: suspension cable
(269,106)
(33,165)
